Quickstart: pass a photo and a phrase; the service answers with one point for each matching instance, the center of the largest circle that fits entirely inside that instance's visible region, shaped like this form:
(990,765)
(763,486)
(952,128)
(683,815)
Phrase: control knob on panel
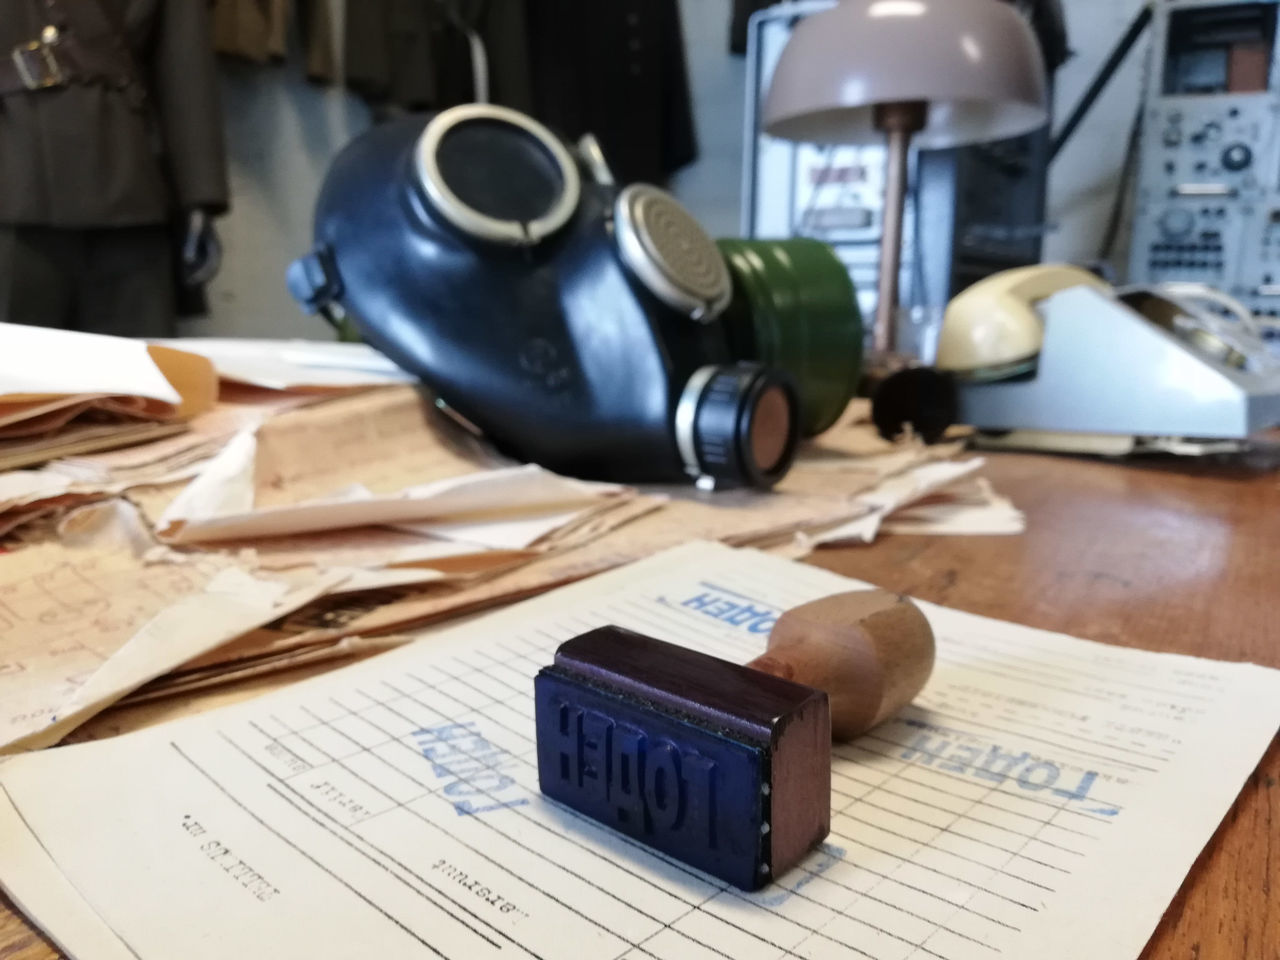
(1236,157)
(1177,222)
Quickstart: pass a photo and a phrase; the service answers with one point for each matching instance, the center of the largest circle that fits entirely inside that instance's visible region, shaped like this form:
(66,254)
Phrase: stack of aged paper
(300,365)
(26,495)
(342,514)
(64,393)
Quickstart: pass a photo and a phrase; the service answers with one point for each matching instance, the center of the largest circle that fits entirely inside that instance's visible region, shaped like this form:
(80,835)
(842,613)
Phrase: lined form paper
(1043,797)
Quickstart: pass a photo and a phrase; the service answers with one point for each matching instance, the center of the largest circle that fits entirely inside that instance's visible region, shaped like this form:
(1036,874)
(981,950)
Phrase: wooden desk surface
(1183,559)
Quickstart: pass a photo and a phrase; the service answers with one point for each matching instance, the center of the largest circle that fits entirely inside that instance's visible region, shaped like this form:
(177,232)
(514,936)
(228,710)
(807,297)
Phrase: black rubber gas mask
(573,323)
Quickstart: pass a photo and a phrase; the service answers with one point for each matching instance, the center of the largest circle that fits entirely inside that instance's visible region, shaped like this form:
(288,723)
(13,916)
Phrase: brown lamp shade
(975,63)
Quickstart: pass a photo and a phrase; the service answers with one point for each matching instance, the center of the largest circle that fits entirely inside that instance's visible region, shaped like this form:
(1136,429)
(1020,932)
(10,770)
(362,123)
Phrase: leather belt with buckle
(37,61)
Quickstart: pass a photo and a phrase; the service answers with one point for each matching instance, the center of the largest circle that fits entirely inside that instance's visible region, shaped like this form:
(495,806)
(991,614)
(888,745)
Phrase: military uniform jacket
(94,154)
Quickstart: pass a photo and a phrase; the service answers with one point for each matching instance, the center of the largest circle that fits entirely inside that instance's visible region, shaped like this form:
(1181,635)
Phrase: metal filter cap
(670,253)
(738,425)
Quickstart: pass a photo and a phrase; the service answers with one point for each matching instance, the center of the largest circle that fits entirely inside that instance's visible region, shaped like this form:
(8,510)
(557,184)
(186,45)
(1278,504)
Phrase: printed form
(1043,798)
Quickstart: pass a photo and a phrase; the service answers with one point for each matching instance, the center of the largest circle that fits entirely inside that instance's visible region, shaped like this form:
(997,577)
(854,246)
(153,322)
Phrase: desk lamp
(944,72)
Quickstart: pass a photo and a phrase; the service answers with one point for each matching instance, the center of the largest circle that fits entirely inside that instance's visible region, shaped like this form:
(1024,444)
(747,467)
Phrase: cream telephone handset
(991,330)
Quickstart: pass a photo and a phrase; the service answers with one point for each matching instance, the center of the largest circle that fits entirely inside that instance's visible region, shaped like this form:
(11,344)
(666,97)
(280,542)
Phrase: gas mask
(573,323)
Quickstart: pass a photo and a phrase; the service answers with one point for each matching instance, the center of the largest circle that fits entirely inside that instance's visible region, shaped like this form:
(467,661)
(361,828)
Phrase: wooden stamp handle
(870,650)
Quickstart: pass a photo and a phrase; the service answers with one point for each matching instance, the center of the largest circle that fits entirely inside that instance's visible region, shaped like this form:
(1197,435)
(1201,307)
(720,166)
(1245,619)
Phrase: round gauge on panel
(1177,222)
(1237,157)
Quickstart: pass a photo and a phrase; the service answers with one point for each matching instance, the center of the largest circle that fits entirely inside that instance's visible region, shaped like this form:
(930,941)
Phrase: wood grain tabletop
(1178,557)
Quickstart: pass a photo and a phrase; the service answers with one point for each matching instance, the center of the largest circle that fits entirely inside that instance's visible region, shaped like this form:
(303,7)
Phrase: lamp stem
(898,121)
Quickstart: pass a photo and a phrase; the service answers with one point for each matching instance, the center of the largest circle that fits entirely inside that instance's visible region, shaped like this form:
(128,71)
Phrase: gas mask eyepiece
(497,175)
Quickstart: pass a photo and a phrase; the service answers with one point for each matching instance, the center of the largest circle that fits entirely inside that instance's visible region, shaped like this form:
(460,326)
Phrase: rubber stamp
(723,766)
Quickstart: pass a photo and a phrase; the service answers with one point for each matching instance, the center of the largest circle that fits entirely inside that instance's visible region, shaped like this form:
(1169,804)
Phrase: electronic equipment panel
(1208,194)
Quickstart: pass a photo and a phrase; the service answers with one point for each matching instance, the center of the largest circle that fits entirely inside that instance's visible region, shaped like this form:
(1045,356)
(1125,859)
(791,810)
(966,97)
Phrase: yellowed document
(81,932)
(373,548)
(385,440)
(386,460)
(51,381)
(465,508)
(186,682)
(45,362)
(42,365)
(515,533)
(80,439)
(895,493)
(138,622)
(392,809)
(26,494)
(295,364)
(231,603)
(968,508)
(236,409)
(23,416)
(65,611)
(736,517)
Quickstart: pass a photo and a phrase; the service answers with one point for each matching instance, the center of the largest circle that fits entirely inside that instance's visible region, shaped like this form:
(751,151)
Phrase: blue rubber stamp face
(673,784)
(720,766)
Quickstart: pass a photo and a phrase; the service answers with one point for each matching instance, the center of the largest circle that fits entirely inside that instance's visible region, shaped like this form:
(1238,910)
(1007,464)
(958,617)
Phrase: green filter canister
(794,307)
